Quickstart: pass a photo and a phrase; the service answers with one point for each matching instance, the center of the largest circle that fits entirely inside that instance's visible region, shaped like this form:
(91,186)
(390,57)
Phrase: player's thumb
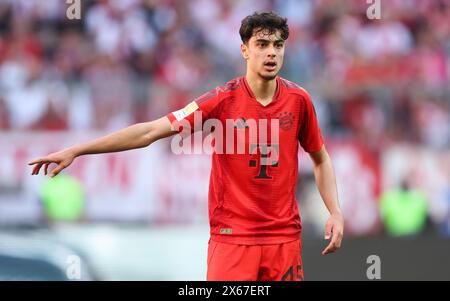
(57,170)
(328,229)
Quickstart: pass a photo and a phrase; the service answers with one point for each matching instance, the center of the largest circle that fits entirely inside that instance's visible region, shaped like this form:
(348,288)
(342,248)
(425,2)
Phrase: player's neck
(263,90)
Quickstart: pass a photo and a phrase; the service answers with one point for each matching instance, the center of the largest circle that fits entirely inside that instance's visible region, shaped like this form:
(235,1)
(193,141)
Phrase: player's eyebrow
(268,41)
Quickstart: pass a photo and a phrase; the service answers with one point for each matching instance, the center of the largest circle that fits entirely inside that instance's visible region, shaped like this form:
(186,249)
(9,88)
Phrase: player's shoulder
(294,88)
(233,85)
(222,92)
(230,88)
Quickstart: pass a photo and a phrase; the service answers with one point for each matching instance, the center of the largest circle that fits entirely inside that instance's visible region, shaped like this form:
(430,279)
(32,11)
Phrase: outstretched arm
(136,136)
(326,183)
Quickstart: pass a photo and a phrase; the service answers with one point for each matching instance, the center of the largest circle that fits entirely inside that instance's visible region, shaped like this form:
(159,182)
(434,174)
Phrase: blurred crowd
(128,61)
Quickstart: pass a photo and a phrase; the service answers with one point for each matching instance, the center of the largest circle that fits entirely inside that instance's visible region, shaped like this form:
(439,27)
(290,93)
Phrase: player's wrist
(74,151)
(337,213)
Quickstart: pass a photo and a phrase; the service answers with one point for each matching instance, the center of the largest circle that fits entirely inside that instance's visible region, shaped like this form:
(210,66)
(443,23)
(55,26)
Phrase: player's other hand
(334,229)
(63,158)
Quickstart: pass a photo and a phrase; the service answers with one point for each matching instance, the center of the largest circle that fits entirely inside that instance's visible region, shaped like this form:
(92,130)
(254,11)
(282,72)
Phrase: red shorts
(229,262)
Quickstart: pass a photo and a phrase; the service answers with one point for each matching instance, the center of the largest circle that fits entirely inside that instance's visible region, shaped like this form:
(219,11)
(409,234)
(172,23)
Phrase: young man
(254,219)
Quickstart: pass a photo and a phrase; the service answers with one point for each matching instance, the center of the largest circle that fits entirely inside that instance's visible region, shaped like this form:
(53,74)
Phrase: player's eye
(279,45)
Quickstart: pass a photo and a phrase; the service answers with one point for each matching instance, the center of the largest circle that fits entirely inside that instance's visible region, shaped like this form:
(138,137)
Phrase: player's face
(264,54)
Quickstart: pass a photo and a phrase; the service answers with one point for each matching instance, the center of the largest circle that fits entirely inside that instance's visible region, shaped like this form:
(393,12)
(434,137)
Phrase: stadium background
(380,88)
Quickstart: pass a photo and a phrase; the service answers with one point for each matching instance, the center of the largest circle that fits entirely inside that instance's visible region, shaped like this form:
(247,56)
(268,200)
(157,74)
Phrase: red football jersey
(251,199)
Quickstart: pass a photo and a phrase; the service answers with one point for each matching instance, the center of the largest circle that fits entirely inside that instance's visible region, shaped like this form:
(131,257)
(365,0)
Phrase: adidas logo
(241,124)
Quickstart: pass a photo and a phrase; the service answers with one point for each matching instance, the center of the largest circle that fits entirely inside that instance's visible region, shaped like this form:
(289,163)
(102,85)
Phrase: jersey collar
(251,95)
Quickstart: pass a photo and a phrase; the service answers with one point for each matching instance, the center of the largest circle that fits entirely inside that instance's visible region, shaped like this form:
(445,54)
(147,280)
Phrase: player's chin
(268,75)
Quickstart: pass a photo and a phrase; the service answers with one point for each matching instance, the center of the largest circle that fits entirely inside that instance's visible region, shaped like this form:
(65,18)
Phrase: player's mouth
(270,65)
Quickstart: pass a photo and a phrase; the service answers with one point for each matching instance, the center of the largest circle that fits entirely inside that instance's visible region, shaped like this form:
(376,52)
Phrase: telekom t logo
(267,155)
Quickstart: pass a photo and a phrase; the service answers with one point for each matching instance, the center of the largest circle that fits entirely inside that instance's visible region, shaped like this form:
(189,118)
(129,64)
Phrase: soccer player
(255,225)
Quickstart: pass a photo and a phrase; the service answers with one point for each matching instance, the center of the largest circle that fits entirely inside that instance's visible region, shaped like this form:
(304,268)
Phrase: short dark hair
(269,22)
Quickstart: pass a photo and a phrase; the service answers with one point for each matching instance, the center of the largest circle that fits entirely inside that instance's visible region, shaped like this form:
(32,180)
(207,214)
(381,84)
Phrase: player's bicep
(160,128)
(319,156)
(310,135)
(192,117)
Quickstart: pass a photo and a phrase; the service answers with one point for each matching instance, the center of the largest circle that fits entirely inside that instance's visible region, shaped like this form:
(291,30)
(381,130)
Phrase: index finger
(329,249)
(332,246)
(40,160)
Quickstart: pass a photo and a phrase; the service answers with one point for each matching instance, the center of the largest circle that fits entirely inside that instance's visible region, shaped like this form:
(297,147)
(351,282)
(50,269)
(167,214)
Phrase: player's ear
(244,51)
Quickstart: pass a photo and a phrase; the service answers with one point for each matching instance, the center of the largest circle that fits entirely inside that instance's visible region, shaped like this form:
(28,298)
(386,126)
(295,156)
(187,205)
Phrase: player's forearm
(136,136)
(326,183)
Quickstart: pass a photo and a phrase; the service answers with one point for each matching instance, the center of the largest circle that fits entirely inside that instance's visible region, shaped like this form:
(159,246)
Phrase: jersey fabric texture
(251,199)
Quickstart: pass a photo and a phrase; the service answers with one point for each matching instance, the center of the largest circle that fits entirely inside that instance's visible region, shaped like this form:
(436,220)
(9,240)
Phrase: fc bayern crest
(286,120)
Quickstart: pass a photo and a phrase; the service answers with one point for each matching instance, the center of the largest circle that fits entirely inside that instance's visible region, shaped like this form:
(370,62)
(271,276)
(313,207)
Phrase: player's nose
(271,51)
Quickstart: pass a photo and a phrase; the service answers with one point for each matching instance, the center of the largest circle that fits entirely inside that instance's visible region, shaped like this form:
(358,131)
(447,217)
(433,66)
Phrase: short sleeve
(196,112)
(310,135)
